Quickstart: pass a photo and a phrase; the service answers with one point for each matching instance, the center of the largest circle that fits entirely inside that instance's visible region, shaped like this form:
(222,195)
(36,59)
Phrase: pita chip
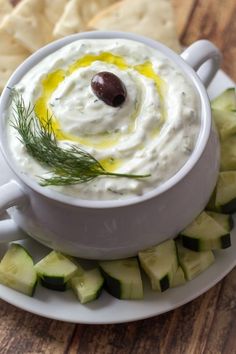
(26,28)
(12,54)
(54,9)
(31,23)
(76,15)
(150,18)
(5,8)
(8,63)
(9,46)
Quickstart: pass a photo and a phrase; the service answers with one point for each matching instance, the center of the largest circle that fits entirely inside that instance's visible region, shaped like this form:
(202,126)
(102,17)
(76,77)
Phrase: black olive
(109,88)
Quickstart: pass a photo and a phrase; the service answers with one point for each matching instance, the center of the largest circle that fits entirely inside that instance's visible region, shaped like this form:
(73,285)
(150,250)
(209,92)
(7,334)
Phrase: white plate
(65,307)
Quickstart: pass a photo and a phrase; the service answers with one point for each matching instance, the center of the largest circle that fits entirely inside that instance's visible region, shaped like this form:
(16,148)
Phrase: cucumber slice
(179,278)
(205,234)
(122,278)
(160,263)
(55,270)
(211,205)
(226,221)
(226,192)
(228,154)
(87,286)
(225,101)
(193,263)
(17,270)
(225,122)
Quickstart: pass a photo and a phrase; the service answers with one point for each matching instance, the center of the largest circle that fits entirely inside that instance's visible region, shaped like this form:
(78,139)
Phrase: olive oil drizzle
(53,80)
(70,165)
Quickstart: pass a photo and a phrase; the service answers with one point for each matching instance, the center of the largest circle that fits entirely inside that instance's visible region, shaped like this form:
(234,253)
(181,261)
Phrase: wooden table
(205,325)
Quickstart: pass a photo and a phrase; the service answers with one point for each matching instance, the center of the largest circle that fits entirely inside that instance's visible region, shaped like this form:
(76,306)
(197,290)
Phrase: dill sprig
(70,165)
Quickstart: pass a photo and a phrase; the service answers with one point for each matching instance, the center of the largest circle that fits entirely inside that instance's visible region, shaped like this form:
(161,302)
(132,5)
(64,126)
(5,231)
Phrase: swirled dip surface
(153,132)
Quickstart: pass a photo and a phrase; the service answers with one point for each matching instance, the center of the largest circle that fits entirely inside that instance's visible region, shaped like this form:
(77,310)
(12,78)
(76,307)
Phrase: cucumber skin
(198,245)
(51,286)
(54,279)
(229,208)
(34,288)
(190,243)
(231,223)
(165,283)
(57,281)
(118,283)
(225,241)
(53,283)
(112,285)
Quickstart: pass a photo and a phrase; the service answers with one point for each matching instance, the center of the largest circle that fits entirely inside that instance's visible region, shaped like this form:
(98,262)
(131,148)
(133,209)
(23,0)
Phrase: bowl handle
(205,58)
(11,195)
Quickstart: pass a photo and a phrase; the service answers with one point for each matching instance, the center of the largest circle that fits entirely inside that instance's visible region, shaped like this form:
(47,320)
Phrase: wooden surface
(206,325)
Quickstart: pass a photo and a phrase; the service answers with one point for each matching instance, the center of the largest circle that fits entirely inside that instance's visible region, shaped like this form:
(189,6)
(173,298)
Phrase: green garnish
(70,165)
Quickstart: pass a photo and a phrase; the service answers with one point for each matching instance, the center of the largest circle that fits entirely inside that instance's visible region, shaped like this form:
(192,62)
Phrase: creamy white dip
(153,132)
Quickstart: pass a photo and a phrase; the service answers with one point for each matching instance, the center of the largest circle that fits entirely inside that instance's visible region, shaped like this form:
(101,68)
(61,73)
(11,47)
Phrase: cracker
(26,28)
(54,9)
(12,54)
(30,23)
(151,18)
(76,15)
(9,46)
(8,63)
(5,8)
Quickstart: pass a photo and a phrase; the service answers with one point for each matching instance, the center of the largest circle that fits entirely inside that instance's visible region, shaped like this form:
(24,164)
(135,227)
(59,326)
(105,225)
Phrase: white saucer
(65,307)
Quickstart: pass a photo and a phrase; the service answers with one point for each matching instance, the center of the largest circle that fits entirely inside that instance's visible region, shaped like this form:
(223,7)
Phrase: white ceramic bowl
(114,229)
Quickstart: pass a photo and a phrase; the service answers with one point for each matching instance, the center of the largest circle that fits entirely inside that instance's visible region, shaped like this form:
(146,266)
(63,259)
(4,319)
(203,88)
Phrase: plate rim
(17,299)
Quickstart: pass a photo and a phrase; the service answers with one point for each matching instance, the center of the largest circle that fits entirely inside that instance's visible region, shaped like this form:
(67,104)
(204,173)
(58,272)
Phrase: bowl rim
(204,111)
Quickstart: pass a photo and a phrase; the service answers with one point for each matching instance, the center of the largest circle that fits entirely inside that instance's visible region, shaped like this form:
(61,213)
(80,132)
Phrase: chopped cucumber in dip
(160,263)
(88,285)
(123,278)
(17,270)
(205,233)
(55,270)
